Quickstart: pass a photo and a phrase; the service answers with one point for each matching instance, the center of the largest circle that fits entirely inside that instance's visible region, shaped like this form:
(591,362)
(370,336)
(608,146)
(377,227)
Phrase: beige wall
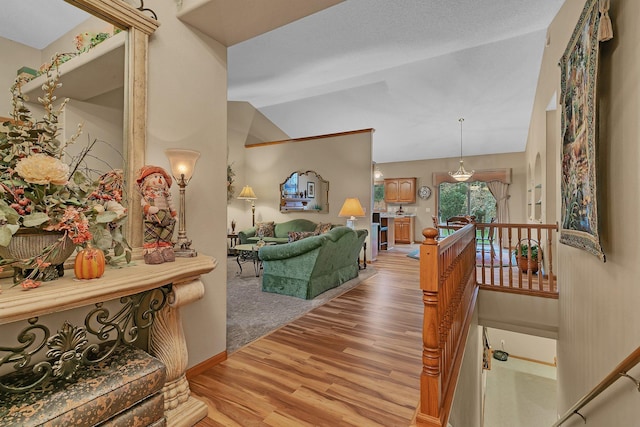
(188,109)
(14,57)
(599,318)
(467,406)
(424,169)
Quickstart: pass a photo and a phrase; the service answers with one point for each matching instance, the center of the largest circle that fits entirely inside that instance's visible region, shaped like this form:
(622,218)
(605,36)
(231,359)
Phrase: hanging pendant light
(461,174)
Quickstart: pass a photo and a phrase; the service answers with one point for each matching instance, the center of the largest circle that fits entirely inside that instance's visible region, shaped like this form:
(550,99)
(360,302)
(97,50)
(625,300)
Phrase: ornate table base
(169,345)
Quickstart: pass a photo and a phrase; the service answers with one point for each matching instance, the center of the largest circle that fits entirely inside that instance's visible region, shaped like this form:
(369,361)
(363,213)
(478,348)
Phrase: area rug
(414,254)
(252,314)
(502,261)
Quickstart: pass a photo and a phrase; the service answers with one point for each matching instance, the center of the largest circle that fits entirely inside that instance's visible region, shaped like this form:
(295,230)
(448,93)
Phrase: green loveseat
(311,266)
(281,231)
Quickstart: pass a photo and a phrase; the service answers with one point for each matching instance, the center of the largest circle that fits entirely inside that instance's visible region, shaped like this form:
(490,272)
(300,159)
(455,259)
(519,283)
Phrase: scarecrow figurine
(159,214)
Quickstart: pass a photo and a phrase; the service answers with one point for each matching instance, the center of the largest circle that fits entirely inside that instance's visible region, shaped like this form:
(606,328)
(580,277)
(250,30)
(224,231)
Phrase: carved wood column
(430,378)
(168,344)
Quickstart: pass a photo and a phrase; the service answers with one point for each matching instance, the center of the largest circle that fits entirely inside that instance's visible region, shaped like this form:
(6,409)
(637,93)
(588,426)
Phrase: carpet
(502,261)
(252,314)
(414,254)
(517,398)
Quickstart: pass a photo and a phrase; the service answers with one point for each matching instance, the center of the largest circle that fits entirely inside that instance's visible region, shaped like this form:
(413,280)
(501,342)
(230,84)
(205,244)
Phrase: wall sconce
(352,208)
(248,195)
(183,163)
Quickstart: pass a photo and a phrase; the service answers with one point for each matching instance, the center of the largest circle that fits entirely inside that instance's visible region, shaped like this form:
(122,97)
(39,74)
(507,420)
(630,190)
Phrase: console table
(181,285)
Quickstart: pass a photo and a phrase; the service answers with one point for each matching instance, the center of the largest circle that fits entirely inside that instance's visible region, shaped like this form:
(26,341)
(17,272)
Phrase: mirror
(130,100)
(304,192)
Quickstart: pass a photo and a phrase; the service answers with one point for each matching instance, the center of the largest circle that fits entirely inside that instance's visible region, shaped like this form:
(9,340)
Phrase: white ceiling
(409,69)
(37,23)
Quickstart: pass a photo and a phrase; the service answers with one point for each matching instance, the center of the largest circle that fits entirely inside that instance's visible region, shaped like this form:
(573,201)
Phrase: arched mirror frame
(139,27)
(323,190)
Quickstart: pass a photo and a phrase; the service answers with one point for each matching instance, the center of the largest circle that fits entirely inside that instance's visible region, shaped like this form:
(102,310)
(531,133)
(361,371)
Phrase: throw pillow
(299,235)
(266,229)
(323,228)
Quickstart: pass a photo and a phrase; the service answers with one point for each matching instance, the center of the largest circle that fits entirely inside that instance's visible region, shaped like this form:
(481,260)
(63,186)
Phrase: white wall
(530,347)
(187,108)
(599,316)
(466,409)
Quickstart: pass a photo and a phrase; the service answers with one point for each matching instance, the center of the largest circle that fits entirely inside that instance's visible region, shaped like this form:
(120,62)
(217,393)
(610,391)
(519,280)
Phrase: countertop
(395,215)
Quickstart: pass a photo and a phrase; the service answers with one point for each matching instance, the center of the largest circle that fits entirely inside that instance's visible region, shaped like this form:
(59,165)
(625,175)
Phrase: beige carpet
(251,313)
(520,394)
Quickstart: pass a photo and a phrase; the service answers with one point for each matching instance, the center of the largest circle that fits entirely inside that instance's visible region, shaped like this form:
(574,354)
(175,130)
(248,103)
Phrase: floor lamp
(248,195)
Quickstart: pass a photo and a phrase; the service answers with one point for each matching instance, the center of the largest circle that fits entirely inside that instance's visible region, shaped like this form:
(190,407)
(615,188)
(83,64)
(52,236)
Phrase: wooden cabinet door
(403,230)
(406,190)
(391,190)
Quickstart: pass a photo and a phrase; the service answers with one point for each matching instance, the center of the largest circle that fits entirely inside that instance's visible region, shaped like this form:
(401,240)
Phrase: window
(466,198)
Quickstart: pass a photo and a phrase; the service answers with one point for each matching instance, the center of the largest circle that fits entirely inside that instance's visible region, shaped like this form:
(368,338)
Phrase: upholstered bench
(123,390)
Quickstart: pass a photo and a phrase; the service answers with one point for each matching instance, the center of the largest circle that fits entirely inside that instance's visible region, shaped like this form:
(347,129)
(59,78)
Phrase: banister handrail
(449,294)
(621,370)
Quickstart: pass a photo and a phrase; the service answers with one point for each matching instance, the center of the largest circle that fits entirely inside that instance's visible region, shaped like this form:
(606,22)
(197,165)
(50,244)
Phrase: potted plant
(48,208)
(525,263)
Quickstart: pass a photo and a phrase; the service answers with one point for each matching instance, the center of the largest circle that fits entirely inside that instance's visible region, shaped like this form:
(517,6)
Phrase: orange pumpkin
(89,263)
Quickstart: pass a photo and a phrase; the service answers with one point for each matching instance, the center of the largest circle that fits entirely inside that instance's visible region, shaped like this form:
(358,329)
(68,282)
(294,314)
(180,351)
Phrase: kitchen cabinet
(400,190)
(404,229)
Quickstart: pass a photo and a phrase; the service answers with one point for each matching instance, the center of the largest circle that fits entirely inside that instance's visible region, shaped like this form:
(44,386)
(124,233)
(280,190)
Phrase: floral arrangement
(40,191)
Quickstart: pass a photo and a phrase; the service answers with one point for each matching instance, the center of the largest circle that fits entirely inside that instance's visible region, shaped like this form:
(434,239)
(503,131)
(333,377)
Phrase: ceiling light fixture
(461,174)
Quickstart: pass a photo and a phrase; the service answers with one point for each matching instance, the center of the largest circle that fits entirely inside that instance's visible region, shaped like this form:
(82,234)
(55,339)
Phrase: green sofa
(281,231)
(311,266)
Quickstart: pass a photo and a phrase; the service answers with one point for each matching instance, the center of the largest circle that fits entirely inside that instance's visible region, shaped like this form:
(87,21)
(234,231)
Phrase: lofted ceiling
(409,69)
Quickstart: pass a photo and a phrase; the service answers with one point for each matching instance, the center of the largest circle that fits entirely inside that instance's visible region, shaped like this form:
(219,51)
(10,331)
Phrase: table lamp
(351,208)
(183,163)
(248,195)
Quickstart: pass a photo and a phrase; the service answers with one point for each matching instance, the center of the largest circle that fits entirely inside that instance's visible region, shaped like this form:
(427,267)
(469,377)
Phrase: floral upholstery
(323,228)
(294,236)
(265,229)
(97,393)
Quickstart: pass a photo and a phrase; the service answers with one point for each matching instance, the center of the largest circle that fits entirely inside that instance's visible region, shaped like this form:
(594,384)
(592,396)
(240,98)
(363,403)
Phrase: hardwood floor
(354,361)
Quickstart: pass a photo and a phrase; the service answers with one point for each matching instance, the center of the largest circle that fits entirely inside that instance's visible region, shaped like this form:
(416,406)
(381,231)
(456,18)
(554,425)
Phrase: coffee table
(248,252)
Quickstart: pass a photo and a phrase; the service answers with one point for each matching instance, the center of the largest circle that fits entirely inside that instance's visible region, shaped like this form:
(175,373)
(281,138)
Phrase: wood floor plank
(354,361)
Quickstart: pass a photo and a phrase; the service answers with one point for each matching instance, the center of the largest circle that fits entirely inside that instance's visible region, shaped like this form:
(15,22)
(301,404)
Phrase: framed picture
(311,190)
(578,102)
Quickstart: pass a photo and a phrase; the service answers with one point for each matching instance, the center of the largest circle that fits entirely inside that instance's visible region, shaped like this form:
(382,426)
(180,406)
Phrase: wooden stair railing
(449,288)
(619,371)
(501,272)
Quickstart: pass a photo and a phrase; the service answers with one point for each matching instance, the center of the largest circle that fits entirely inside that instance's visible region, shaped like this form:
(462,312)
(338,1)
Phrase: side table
(246,253)
(233,241)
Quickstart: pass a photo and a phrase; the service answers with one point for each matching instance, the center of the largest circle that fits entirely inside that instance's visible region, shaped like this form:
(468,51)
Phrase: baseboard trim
(542,362)
(196,370)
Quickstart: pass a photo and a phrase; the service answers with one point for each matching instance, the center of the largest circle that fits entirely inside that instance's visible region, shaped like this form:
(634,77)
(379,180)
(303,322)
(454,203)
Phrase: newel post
(430,378)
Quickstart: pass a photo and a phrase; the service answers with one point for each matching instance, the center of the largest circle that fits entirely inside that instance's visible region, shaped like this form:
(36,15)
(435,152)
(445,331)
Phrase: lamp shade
(183,162)
(351,208)
(247,193)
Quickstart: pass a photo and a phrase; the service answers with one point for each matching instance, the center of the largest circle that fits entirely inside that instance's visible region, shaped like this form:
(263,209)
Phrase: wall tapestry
(579,71)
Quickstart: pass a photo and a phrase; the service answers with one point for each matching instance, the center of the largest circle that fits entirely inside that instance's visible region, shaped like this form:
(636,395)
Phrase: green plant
(523,250)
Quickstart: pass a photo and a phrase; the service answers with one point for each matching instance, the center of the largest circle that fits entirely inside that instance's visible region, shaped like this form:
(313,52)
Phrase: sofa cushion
(322,228)
(282,229)
(265,228)
(294,236)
